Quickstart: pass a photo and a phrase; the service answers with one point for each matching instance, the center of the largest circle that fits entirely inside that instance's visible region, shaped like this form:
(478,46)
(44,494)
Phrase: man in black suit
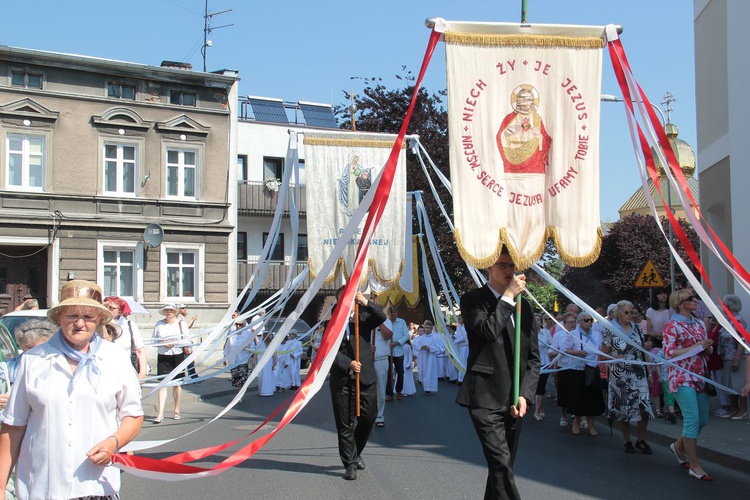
(354,431)
(488,314)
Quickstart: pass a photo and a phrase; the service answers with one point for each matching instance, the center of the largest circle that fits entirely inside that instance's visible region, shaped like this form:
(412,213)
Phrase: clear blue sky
(309,50)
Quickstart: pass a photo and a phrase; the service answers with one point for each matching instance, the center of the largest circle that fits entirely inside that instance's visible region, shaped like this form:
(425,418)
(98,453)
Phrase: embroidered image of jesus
(522,140)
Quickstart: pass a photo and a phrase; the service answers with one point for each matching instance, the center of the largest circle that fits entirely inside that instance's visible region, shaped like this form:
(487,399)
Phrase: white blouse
(170,333)
(61,428)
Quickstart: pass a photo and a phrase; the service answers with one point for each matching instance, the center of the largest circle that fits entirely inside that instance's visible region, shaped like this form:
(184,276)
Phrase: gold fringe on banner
(504,239)
(350,143)
(551,41)
(371,263)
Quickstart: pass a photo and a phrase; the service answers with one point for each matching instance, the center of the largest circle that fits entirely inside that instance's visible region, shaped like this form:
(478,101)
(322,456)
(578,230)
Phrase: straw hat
(80,293)
(167,307)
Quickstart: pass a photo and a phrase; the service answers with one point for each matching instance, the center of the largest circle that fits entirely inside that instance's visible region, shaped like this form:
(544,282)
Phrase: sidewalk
(723,441)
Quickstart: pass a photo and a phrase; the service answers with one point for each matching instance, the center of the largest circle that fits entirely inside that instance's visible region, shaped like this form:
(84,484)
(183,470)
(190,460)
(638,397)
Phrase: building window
(302,247)
(27,80)
(181,173)
(25,161)
(273,168)
(182,98)
(277,252)
(119,268)
(242,167)
(120,168)
(119,272)
(181,274)
(120,91)
(241,245)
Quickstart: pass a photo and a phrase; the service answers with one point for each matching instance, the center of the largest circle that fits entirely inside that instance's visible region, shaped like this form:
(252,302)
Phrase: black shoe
(644,447)
(360,464)
(672,418)
(629,447)
(351,473)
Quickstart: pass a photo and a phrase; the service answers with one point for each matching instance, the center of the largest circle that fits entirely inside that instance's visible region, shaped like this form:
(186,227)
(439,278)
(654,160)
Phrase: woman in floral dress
(627,396)
(686,336)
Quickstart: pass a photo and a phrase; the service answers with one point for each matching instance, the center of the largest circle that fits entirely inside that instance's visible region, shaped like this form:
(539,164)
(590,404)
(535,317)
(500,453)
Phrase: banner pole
(524,10)
(356,353)
(517,354)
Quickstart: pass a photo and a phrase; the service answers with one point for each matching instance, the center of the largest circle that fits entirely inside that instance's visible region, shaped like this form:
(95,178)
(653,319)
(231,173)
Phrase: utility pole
(207,30)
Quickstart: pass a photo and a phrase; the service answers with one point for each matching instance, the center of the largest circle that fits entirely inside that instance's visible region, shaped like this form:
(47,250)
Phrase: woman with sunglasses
(583,400)
(627,395)
(684,334)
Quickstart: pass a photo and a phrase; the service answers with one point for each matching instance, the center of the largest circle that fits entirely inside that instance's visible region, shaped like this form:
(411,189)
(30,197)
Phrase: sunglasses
(692,297)
(588,320)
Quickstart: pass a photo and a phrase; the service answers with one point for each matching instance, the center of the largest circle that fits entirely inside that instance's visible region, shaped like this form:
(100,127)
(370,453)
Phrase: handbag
(185,350)
(590,373)
(133,355)
(591,376)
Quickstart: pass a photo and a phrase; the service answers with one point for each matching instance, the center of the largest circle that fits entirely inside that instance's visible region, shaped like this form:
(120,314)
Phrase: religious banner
(523,107)
(340,170)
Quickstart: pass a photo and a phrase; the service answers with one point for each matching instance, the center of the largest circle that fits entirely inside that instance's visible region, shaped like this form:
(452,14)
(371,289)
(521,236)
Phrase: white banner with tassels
(339,169)
(523,105)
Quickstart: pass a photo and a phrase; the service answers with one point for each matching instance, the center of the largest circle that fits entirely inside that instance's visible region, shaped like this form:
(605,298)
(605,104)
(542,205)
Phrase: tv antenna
(208,29)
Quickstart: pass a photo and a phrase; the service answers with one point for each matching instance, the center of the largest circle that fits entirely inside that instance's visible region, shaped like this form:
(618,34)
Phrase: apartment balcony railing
(254,198)
(276,275)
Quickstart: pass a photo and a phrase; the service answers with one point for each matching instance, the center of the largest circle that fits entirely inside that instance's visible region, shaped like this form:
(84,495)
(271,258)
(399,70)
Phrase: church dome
(683,151)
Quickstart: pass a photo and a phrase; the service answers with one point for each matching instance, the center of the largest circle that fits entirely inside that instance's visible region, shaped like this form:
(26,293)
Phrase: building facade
(262,145)
(722,69)
(92,152)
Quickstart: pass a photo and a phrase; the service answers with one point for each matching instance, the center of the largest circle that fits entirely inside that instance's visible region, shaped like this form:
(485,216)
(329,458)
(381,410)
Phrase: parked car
(8,325)
(303,335)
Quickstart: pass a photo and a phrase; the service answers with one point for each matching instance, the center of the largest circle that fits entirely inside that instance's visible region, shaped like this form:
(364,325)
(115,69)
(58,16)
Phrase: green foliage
(630,243)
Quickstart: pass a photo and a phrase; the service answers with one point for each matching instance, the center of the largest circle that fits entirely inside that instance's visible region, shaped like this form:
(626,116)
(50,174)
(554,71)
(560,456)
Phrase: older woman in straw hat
(79,400)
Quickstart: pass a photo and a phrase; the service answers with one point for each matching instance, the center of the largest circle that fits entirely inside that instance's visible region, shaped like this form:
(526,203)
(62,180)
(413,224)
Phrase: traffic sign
(649,277)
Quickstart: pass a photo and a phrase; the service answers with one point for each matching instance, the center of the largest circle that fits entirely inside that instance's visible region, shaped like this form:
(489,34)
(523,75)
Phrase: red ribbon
(621,66)
(176,463)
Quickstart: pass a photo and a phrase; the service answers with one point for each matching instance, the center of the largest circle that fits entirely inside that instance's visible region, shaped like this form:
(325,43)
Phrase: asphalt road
(428,450)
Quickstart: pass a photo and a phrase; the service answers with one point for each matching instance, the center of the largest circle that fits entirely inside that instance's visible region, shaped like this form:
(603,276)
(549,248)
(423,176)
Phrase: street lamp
(614,98)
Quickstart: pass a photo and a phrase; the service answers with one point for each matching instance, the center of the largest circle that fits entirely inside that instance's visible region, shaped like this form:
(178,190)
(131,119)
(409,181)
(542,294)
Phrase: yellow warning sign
(649,277)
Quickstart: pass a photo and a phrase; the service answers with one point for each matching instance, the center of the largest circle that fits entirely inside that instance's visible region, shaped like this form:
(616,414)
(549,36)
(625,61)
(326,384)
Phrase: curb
(736,463)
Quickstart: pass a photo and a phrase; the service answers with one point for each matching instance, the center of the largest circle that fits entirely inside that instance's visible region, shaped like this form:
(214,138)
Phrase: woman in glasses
(584,399)
(627,395)
(683,335)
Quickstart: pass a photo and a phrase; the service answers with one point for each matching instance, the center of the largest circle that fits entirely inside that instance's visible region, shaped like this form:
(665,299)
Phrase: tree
(380,109)
(630,243)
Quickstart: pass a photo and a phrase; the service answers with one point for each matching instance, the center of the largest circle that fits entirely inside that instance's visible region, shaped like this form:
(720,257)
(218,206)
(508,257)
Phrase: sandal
(563,422)
(659,414)
(176,416)
(683,461)
(158,420)
(739,416)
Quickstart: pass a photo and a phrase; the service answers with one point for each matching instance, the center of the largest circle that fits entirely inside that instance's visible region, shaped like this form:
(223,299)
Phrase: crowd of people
(640,367)
(631,369)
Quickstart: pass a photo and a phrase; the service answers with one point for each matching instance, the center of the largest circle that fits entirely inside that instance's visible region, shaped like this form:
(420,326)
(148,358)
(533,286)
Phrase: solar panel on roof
(318,116)
(268,111)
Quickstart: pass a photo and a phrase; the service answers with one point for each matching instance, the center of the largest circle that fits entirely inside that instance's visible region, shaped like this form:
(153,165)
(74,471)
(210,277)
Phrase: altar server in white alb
(266,377)
(462,344)
(281,369)
(409,388)
(431,346)
(295,364)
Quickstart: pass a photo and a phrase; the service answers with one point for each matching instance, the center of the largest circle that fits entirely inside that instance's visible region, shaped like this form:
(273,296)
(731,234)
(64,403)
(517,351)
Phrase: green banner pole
(517,354)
